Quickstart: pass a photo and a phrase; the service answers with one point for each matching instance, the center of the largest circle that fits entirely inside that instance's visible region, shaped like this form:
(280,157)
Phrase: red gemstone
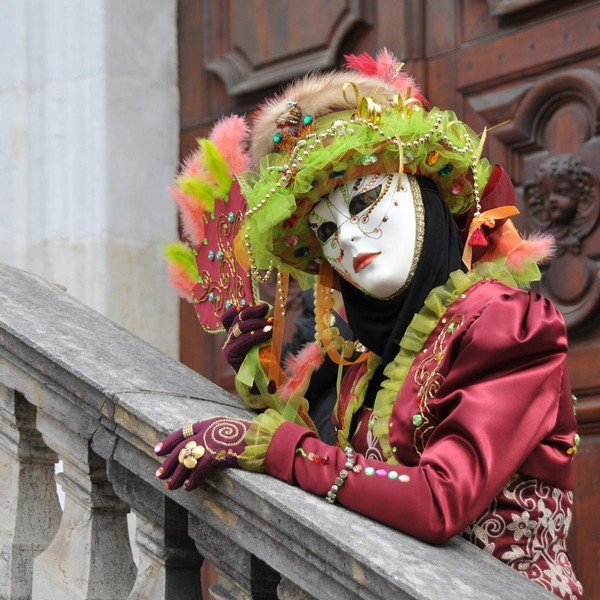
(477,238)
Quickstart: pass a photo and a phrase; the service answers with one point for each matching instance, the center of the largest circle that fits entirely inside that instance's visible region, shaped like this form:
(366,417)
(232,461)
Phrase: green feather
(198,188)
(180,254)
(216,165)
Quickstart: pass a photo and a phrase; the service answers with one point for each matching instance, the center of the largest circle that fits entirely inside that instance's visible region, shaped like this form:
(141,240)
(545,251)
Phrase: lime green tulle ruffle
(431,143)
(258,438)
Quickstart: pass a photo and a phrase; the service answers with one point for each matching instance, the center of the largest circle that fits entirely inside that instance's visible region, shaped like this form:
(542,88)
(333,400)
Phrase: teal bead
(336,174)
(278,137)
(392,475)
(301,252)
(228,304)
(211,297)
(211,255)
(308,119)
(231,217)
(417,420)
(219,255)
(369,471)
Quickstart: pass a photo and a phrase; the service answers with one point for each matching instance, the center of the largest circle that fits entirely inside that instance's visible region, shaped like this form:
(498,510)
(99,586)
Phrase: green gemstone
(392,475)
(369,471)
(308,119)
(277,138)
(417,420)
(451,328)
(368,159)
(446,170)
(576,439)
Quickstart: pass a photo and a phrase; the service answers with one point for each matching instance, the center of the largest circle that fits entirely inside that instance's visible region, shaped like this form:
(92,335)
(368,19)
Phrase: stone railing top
(113,389)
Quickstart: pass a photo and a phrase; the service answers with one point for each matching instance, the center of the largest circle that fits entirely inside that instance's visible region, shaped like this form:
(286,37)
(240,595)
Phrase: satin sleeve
(498,401)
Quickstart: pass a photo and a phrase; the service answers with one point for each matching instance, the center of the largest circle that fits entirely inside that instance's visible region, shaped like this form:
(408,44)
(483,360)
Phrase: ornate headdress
(331,128)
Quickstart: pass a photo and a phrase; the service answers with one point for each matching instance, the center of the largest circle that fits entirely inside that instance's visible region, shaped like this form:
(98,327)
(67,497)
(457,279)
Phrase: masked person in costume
(455,414)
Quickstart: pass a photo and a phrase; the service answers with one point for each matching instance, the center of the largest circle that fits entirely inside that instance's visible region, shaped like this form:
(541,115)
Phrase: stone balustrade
(76,387)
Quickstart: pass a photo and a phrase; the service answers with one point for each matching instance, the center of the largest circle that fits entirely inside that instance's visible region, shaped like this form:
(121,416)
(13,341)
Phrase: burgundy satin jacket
(484,430)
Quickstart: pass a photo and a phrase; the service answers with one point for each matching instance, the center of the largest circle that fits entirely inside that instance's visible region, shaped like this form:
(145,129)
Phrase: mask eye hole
(362,201)
(326,230)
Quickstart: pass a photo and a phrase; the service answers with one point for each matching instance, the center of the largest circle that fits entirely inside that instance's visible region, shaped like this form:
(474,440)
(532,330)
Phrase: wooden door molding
(552,144)
(501,8)
(257,58)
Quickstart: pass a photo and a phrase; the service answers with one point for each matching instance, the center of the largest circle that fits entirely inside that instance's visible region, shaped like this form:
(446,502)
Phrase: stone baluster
(90,556)
(29,508)
(169,564)
(241,575)
(288,590)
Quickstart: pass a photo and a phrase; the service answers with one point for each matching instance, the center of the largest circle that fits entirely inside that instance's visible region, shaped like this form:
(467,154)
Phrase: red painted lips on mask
(363,260)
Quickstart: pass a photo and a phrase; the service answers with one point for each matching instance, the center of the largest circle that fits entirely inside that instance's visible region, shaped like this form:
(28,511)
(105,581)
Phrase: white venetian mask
(368,231)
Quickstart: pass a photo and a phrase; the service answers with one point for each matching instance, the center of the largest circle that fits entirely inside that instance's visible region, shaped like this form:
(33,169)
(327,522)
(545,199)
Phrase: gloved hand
(197,449)
(245,328)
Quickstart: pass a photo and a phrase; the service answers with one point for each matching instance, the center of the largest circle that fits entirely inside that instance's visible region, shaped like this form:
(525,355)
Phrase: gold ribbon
(405,105)
(332,344)
(487,219)
(366,107)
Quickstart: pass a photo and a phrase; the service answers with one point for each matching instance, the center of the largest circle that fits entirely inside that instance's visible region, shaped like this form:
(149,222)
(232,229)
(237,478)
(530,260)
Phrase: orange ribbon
(487,219)
(279,313)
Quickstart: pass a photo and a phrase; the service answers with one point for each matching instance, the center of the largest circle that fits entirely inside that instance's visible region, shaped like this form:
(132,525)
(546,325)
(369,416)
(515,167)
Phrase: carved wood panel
(272,41)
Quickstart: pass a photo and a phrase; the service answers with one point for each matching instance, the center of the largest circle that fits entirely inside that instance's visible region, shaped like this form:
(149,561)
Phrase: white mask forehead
(367,229)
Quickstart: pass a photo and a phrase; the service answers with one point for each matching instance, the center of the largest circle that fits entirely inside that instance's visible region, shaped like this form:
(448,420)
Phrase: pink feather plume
(387,66)
(190,211)
(536,248)
(231,135)
(180,281)
(300,366)
(193,165)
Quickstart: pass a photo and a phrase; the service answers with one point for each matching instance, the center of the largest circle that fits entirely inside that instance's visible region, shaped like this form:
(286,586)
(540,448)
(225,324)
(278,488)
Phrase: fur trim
(231,136)
(317,95)
(300,367)
(537,248)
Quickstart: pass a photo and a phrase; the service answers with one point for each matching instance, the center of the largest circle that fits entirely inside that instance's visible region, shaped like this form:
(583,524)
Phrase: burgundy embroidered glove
(197,449)
(245,328)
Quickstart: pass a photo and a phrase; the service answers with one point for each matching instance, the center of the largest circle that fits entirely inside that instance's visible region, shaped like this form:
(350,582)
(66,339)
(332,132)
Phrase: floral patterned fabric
(526,527)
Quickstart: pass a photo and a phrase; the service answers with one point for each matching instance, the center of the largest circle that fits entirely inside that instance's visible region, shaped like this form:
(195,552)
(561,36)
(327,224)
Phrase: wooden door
(528,68)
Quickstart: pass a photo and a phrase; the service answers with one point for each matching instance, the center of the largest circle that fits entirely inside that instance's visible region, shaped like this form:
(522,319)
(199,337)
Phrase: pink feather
(536,248)
(231,135)
(363,63)
(180,281)
(387,66)
(191,214)
(298,367)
